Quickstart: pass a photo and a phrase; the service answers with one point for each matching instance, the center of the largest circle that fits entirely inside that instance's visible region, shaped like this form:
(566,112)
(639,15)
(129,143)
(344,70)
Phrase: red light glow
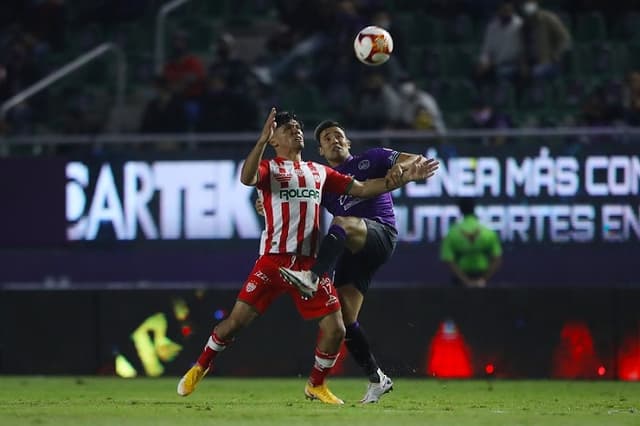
(489,369)
(602,371)
(449,355)
(575,357)
(629,359)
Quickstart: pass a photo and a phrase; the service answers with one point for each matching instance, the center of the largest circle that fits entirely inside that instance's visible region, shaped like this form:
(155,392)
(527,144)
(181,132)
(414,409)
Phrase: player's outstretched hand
(269,127)
(420,169)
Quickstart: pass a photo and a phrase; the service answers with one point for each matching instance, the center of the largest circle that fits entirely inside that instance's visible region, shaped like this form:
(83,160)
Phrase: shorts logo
(250,286)
(332,300)
(262,276)
(364,165)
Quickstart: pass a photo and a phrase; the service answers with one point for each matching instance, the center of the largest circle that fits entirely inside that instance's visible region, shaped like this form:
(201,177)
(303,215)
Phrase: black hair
(284,117)
(467,205)
(325,125)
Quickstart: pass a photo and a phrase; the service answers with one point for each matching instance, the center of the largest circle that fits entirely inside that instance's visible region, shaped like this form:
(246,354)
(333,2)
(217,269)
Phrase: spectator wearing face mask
(485,116)
(545,41)
(418,109)
(502,47)
(377,103)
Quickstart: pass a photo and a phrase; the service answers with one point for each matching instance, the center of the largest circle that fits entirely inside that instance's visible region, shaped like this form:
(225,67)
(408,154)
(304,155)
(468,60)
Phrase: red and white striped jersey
(291,192)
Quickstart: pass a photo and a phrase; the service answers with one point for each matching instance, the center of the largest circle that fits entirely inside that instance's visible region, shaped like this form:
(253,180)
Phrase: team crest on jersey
(299,172)
(250,286)
(364,165)
(283,177)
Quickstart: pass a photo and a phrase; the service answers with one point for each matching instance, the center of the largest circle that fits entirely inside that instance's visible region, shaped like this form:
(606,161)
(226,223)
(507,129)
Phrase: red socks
(322,366)
(212,348)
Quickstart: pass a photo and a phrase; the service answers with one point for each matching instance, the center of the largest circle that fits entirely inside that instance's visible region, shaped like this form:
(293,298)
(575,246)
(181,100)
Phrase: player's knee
(350,225)
(337,333)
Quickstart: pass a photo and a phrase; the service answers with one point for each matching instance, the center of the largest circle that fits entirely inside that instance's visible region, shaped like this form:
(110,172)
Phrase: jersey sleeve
(263,174)
(446,248)
(495,250)
(384,158)
(337,182)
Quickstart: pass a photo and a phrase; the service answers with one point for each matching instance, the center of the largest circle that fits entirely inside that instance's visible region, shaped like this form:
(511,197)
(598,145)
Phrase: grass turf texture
(225,401)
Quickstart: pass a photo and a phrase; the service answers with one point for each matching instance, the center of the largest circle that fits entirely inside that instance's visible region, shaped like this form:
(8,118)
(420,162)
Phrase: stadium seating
(441,54)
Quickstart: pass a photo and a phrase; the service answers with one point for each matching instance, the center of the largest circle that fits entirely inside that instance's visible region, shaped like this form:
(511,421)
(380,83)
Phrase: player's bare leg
(241,316)
(331,336)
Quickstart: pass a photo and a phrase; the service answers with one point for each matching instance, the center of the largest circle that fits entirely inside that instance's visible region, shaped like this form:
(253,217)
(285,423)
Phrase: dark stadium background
(563,305)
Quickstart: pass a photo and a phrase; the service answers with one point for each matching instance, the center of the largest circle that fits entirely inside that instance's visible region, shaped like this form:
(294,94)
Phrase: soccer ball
(373,45)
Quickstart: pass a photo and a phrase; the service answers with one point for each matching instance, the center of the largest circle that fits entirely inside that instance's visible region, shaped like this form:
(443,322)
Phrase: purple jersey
(371,164)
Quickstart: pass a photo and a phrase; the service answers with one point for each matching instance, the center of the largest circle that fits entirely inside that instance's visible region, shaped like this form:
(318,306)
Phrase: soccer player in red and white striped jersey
(291,190)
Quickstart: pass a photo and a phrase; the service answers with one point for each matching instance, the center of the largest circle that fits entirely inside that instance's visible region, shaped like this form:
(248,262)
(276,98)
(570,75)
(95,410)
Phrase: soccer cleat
(321,393)
(190,380)
(376,390)
(305,281)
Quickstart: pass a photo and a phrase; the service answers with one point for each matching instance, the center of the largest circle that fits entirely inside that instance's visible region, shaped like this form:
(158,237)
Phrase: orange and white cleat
(321,393)
(190,380)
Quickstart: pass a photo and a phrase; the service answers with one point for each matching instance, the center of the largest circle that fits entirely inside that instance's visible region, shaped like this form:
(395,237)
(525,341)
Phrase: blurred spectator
(81,112)
(336,74)
(502,46)
(377,104)
(382,18)
(395,67)
(165,112)
(184,72)
(632,99)
(306,17)
(597,111)
(471,250)
(226,110)
(545,41)
(21,65)
(418,109)
(235,71)
(485,116)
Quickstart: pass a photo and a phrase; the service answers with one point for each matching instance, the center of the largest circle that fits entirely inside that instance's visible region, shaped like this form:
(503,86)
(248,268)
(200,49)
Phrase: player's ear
(274,140)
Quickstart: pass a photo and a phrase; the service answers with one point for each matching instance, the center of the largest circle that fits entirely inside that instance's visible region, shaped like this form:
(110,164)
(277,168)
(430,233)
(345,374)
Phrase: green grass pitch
(227,401)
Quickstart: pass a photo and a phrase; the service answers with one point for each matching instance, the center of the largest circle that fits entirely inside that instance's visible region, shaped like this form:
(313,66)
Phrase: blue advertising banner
(565,215)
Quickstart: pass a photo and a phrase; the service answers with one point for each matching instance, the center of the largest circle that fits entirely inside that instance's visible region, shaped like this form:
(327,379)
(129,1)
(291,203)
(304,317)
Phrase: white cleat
(376,390)
(305,281)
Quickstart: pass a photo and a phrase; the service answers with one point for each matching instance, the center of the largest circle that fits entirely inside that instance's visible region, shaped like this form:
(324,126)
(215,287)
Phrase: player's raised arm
(419,169)
(249,172)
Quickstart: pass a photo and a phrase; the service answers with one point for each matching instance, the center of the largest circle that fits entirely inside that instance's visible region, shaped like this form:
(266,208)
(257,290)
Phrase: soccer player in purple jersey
(367,229)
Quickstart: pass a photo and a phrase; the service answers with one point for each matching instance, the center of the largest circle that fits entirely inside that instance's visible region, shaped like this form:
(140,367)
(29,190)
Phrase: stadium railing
(621,134)
(160,32)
